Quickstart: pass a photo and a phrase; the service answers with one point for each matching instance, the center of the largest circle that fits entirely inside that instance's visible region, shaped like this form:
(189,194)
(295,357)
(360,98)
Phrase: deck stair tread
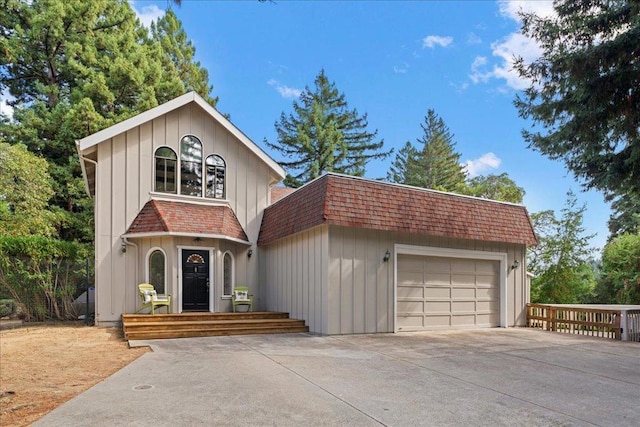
(182,325)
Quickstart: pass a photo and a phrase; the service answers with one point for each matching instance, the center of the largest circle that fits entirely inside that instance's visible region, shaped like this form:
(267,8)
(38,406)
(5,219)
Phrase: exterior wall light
(515,264)
(249,253)
(387,255)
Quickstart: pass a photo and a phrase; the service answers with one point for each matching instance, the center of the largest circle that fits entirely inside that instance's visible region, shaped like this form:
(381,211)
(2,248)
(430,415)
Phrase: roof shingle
(360,203)
(159,216)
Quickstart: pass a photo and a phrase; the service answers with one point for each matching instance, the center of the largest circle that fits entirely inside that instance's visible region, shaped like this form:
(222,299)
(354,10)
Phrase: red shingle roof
(278,193)
(360,203)
(159,216)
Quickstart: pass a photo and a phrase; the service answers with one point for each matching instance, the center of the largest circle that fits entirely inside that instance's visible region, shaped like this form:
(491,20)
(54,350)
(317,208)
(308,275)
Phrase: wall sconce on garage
(249,253)
(387,255)
(515,264)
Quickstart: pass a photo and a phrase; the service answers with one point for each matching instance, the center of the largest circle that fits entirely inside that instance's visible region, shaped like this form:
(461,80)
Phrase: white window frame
(177,172)
(148,265)
(233,274)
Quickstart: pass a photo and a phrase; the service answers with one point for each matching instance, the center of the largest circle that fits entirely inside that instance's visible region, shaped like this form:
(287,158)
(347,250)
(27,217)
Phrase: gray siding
(124,184)
(295,277)
(356,285)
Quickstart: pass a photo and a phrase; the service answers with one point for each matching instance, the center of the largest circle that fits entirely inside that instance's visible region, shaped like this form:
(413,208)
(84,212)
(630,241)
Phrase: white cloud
(482,164)
(511,8)
(433,41)
(147,13)
(401,69)
(6,109)
(514,45)
(285,91)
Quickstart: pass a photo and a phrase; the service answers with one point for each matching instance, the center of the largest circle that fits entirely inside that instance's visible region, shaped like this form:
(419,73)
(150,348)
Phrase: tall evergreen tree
(324,135)
(585,91)
(434,163)
(178,56)
(76,67)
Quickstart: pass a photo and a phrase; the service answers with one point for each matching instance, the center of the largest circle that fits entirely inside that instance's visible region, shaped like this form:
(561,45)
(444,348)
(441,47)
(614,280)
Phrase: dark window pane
(190,166)
(228,274)
(165,160)
(156,271)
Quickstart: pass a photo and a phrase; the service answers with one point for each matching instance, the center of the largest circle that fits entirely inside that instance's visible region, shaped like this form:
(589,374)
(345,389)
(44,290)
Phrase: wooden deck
(619,322)
(185,325)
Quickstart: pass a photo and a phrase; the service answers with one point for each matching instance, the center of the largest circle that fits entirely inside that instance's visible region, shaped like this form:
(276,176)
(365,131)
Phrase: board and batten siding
(336,279)
(295,277)
(124,184)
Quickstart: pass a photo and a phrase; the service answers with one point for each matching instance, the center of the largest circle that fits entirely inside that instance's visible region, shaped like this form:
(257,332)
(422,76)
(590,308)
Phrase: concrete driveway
(473,378)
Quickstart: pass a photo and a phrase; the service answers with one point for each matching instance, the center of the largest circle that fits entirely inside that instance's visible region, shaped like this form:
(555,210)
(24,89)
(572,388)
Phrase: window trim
(233,274)
(202,170)
(206,175)
(155,168)
(147,277)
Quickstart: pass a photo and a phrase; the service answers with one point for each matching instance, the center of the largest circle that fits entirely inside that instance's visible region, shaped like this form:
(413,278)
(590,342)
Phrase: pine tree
(75,67)
(324,135)
(178,56)
(434,163)
(585,91)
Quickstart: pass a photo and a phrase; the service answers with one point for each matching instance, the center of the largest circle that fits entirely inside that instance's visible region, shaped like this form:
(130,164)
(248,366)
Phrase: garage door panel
(463,293)
(462,306)
(441,279)
(411,263)
(411,292)
(437,307)
(411,307)
(463,320)
(436,265)
(411,322)
(410,277)
(437,292)
(488,268)
(487,306)
(463,279)
(442,292)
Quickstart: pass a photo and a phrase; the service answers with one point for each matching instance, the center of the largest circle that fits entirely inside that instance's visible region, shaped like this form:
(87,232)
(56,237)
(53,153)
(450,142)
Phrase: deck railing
(594,322)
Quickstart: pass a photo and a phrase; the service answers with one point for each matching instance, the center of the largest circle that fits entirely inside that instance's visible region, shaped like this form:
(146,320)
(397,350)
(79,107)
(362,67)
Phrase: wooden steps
(184,325)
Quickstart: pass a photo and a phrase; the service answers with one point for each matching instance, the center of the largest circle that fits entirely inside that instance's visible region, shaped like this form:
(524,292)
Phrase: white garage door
(443,293)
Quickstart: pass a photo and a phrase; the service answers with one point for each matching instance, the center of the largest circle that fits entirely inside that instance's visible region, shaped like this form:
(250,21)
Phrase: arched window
(191,166)
(216,170)
(227,274)
(156,272)
(166,161)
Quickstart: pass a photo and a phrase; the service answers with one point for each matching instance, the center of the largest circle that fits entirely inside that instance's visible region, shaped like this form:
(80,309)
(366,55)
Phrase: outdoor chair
(241,296)
(150,299)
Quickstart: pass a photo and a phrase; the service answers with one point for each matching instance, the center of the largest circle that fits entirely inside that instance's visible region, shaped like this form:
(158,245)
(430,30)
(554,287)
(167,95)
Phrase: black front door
(195,280)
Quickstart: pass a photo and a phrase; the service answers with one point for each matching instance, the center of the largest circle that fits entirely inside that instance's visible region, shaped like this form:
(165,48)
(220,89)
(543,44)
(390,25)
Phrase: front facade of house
(180,194)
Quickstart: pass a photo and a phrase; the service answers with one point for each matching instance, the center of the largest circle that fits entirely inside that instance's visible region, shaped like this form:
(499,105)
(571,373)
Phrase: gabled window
(216,170)
(156,272)
(191,166)
(166,161)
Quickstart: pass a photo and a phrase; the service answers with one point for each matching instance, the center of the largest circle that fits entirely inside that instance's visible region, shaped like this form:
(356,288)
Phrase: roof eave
(146,116)
(180,234)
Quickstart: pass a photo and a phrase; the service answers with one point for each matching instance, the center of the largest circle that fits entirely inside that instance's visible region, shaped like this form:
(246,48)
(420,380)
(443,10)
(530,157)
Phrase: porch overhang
(179,234)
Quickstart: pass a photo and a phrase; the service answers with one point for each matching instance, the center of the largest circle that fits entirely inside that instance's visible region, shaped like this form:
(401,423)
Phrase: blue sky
(393,60)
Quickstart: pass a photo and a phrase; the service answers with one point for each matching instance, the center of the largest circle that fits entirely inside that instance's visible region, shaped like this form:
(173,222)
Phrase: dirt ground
(43,366)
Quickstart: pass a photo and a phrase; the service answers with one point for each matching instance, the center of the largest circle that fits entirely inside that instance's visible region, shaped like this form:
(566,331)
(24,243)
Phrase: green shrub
(7,307)
(42,275)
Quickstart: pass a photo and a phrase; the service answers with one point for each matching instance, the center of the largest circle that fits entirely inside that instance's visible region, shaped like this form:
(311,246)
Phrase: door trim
(400,249)
(212,287)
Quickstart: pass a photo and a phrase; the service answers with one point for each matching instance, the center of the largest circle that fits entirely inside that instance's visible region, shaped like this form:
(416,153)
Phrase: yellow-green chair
(241,296)
(150,299)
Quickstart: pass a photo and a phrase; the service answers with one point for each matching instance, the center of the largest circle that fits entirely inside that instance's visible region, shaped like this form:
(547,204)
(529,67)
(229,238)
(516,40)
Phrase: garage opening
(442,292)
